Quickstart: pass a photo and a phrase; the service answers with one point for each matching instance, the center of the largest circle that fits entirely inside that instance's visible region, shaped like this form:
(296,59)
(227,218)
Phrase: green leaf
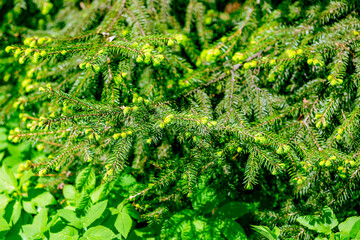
(96,194)
(123,224)
(321,224)
(71,194)
(4,199)
(29,207)
(25,177)
(16,212)
(3,145)
(98,233)
(70,216)
(12,212)
(205,201)
(4,226)
(17,150)
(86,178)
(94,213)
(39,225)
(129,209)
(351,226)
(232,230)
(8,182)
(233,210)
(276,230)
(40,220)
(266,232)
(44,199)
(68,233)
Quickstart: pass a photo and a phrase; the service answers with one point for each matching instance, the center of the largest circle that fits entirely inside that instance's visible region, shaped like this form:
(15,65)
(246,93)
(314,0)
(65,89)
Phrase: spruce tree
(194,97)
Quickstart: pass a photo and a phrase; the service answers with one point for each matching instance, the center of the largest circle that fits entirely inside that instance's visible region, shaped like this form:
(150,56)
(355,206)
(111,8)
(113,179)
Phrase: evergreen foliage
(197,100)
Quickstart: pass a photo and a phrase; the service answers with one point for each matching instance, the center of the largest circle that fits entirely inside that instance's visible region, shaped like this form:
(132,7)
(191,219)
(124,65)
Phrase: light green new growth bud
(216,52)
(33,43)
(124,75)
(340,131)
(96,68)
(118,79)
(273,62)
(28,164)
(139,59)
(170,42)
(126,110)
(29,88)
(286,148)
(82,65)
(140,99)
(28,51)
(168,118)
(147,57)
(156,62)
(129,132)
(36,56)
(41,40)
(89,130)
(88,65)
(27,41)
(239,149)
(63,52)
(148,141)
(204,120)
(253,63)
(123,135)
(46,8)
(214,123)
(135,108)
(43,53)
(8,49)
(290,53)
(238,57)
(22,60)
(42,172)
(18,51)
(247,65)
(280,150)
(180,38)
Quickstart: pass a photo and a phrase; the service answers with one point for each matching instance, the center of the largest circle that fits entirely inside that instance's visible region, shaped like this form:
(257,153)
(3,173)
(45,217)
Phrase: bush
(184,119)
